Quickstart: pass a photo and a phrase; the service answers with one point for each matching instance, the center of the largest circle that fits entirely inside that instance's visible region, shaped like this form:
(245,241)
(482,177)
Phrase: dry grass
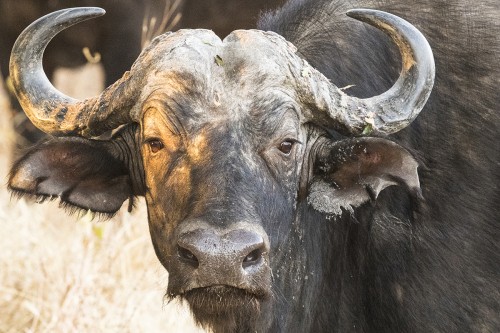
(68,274)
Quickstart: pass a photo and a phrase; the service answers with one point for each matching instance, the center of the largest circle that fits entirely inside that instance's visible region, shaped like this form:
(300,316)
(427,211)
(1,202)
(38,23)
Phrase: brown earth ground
(61,273)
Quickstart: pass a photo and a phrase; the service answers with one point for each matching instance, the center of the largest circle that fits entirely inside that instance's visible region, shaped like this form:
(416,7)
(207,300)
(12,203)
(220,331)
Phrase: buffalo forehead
(243,58)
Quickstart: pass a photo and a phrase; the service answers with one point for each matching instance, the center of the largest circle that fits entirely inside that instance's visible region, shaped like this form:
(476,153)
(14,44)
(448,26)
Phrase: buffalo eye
(286,146)
(155,145)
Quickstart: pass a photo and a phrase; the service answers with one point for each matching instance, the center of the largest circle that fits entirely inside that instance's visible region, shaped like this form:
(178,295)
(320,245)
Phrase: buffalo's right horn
(48,108)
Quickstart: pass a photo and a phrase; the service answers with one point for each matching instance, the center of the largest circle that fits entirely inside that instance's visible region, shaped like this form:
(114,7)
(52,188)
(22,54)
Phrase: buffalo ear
(350,172)
(81,172)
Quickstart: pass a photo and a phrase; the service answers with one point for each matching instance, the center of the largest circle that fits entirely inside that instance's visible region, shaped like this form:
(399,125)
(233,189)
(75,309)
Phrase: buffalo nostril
(253,258)
(187,256)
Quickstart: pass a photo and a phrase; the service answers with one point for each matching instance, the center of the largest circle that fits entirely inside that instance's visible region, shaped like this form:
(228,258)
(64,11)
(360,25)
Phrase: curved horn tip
(393,25)
(71,16)
(67,17)
(87,12)
(371,15)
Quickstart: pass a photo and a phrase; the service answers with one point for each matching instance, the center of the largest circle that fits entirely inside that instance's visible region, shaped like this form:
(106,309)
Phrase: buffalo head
(224,139)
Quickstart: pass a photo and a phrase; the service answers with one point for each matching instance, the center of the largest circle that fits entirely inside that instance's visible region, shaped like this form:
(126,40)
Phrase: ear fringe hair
(70,208)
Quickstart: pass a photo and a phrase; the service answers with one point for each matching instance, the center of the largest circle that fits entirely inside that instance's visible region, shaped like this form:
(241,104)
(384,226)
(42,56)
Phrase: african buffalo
(268,159)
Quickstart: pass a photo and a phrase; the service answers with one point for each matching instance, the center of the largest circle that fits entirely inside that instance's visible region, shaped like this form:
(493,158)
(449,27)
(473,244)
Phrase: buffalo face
(225,139)
(222,147)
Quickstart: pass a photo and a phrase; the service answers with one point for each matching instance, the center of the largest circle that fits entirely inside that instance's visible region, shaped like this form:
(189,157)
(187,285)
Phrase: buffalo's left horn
(48,108)
(396,108)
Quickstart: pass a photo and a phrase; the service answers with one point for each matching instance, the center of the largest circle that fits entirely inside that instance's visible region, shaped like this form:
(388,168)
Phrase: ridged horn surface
(49,109)
(394,109)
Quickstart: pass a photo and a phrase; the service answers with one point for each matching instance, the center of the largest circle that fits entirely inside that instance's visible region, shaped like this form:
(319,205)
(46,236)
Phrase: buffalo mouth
(224,308)
(222,299)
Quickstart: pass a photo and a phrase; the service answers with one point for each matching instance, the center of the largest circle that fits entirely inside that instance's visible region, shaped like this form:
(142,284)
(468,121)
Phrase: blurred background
(62,273)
